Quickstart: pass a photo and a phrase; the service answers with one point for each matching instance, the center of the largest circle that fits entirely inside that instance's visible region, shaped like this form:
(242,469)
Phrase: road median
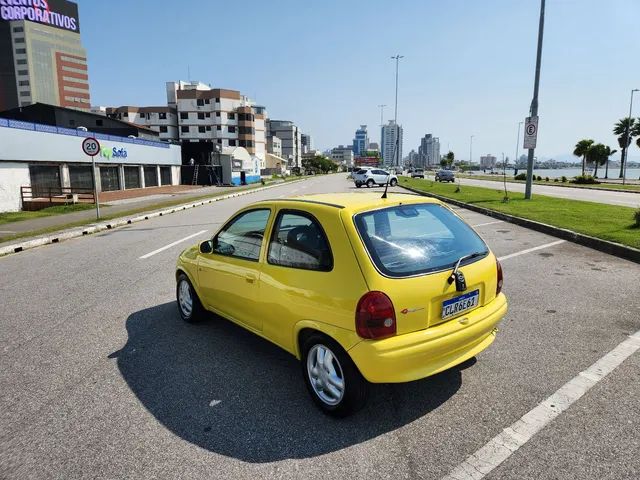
(606,228)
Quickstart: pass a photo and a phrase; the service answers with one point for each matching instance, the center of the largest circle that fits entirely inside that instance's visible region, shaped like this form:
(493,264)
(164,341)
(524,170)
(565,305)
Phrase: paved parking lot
(100,378)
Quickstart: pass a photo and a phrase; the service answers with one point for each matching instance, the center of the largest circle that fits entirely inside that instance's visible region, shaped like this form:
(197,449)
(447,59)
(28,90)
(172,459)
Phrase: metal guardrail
(36,198)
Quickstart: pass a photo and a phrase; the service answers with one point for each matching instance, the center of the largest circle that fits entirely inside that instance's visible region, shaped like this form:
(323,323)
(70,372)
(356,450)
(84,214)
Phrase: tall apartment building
(42,59)
(429,151)
(291,139)
(162,119)
(306,142)
(391,144)
(488,161)
(361,141)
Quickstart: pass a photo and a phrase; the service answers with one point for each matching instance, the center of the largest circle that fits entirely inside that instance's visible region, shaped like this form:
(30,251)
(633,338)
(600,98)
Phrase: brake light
(375,316)
(500,278)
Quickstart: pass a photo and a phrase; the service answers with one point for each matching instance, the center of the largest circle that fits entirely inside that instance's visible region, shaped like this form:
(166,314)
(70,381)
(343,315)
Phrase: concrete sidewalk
(116,206)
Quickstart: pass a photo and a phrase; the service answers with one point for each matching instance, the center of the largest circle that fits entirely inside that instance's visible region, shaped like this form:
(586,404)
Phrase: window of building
(242,237)
(217,114)
(18,29)
(22,61)
(231,116)
(201,129)
(20,51)
(217,99)
(232,129)
(200,116)
(232,142)
(126,114)
(165,175)
(208,128)
(80,176)
(218,127)
(23,83)
(25,94)
(298,241)
(184,129)
(43,178)
(109,179)
(242,143)
(150,176)
(162,115)
(200,102)
(23,72)
(208,114)
(18,40)
(219,140)
(163,129)
(131,177)
(184,115)
(207,101)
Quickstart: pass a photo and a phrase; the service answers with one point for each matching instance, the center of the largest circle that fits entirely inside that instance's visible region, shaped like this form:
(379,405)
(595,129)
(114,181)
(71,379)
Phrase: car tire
(358,185)
(340,371)
(393,182)
(189,305)
(370,183)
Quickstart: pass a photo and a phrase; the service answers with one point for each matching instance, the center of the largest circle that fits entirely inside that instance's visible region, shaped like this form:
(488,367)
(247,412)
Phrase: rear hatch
(411,253)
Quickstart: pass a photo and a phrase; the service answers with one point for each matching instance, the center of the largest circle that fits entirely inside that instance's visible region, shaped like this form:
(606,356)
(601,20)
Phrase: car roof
(354,202)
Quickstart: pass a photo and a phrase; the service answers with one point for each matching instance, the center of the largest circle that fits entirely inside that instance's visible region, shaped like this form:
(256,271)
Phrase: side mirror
(206,247)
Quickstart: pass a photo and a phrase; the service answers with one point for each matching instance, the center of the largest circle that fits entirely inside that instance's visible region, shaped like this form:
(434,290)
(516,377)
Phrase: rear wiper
(461,283)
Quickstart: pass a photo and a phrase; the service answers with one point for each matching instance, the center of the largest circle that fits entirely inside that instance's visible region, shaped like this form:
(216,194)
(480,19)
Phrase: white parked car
(374,177)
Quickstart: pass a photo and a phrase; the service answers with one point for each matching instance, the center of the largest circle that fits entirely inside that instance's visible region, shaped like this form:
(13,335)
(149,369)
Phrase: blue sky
(468,66)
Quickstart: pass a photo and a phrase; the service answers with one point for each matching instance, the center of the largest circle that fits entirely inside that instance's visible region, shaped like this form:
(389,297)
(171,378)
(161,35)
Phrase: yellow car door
(229,276)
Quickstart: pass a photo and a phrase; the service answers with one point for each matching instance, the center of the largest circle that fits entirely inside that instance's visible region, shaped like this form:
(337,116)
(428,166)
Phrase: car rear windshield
(408,240)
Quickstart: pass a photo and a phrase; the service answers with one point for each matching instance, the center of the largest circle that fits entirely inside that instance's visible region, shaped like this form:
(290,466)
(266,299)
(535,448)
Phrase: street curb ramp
(62,235)
(612,248)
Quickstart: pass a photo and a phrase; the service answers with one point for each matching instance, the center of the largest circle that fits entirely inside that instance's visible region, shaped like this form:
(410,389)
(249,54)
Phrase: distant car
(358,287)
(374,177)
(445,176)
(417,173)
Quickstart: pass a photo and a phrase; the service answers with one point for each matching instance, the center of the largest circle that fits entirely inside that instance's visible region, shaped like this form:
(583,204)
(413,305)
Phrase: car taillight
(375,316)
(500,279)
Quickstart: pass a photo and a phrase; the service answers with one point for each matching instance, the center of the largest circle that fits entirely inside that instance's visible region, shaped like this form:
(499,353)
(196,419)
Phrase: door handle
(250,278)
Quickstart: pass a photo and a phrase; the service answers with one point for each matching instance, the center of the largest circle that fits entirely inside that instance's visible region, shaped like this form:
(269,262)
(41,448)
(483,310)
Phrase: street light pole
(534,101)
(515,162)
(395,115)
(626,150)
(471,149)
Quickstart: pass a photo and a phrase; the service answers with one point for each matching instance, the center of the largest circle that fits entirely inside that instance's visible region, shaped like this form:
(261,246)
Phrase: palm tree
(624,126)
(582,150)
(636,132)
(449,158)
(608,152)
(599,154)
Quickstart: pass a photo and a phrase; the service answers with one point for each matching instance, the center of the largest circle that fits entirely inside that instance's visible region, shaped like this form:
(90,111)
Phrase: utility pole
(395,115)
(471,149)
(534,101)
(626,139)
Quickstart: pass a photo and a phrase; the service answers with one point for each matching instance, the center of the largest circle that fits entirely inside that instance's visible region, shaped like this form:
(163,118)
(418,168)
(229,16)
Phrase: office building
(162,119)
(342,155)
(360,141)
(306,142)
(412,159)
(429,151)
(42,59)
(274,146)
(291,140)
(488,161)
(391,147)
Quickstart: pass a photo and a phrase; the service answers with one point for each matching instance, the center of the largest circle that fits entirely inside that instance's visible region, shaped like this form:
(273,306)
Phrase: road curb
(89,229)
(605,246)
(551,184)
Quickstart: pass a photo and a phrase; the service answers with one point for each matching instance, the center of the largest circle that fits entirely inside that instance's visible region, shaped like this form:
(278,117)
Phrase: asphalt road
(99,377)
(589,195)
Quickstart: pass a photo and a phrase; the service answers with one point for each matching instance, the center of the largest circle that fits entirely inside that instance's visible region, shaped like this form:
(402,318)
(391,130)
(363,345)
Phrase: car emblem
(410,310)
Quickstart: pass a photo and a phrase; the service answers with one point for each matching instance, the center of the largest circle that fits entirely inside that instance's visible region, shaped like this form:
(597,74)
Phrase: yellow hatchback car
(358,287)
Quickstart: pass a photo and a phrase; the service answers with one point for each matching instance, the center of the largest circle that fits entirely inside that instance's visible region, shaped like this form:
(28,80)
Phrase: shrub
(564,179)
(262,181)
(636,217)
(546,179)
(556,180)
(520,176)
(539,178)
(585,180)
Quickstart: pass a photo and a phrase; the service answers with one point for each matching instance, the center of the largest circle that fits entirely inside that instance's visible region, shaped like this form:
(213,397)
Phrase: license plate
(457,305)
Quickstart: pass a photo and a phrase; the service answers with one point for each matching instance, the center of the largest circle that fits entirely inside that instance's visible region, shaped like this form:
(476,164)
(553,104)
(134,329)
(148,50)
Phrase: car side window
(298,241)
(242,237)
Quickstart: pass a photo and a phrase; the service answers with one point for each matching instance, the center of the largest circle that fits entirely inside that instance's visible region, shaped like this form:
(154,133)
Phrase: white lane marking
(213,403)
(488,223)
(162,249)
(503,445)
(529,250)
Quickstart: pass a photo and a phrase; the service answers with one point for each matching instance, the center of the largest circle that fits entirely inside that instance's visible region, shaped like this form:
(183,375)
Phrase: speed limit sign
(91,146)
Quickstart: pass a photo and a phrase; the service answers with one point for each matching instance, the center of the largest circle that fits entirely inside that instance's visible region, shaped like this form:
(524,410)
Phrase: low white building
(342,155)
(42,157)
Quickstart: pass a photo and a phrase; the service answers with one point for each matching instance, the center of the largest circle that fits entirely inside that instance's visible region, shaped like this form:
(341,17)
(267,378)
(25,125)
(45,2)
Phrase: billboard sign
(54,13)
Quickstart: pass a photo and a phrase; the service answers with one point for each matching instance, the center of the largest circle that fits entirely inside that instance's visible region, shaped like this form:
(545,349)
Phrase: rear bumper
(416,355)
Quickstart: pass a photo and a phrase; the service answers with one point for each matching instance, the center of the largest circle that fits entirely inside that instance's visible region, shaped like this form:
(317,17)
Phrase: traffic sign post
(91,147)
